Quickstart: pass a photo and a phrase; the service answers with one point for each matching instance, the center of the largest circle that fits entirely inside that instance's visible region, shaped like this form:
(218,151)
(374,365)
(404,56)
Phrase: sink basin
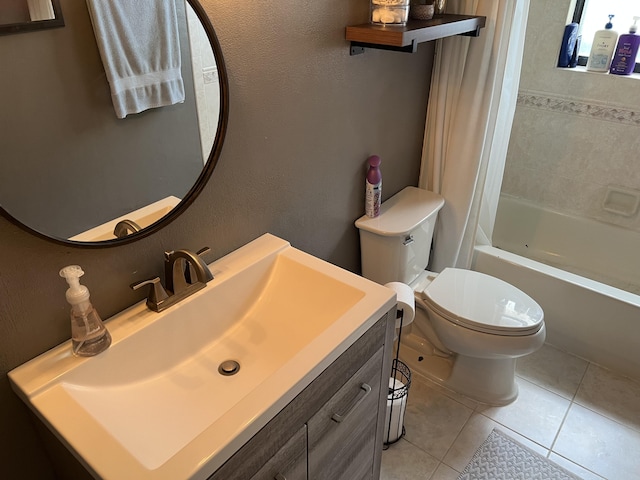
(155,405)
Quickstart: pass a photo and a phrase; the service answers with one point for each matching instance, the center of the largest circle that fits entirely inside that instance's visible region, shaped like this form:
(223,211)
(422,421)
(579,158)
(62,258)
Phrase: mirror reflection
(17,16)
(71,168)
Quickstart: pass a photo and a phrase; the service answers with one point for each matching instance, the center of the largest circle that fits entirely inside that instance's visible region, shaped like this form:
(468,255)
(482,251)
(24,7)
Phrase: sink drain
(229,367)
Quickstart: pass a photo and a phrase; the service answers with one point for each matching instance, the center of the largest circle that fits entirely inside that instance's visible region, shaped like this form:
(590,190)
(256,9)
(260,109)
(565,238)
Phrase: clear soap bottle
(88,334)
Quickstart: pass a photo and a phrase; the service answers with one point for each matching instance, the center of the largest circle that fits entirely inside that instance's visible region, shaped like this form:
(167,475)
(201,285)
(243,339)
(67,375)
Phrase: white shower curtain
(472,101)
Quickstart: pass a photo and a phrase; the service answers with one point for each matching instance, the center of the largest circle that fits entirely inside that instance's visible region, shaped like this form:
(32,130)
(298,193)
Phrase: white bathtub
(584,316)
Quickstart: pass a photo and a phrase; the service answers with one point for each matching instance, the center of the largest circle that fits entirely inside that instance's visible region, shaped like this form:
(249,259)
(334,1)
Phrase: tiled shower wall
(575,135)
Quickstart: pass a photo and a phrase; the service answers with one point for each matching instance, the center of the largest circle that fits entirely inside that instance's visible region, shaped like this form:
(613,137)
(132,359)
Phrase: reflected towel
(140,50)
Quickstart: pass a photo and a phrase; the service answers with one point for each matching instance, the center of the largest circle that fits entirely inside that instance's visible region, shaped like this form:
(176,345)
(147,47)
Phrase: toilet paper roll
(394,419)
(406,302)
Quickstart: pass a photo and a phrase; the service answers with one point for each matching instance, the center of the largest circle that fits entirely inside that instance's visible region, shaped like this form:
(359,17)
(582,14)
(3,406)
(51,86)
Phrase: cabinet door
(290,463)
(342,434)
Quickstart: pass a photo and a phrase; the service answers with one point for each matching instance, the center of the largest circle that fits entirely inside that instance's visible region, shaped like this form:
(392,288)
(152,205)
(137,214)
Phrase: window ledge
(580,69)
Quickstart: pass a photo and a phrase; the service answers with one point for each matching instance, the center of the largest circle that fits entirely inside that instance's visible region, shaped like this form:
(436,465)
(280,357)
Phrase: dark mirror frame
(204,175)
(58,21)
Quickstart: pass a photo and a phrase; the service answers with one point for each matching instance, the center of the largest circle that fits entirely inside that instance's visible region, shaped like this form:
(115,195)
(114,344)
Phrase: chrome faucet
(185,273)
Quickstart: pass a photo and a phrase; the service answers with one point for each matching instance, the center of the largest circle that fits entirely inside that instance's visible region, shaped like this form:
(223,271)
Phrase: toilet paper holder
(399,384)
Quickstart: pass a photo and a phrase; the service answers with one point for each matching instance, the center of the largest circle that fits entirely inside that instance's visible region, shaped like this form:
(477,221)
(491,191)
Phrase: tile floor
(583,417)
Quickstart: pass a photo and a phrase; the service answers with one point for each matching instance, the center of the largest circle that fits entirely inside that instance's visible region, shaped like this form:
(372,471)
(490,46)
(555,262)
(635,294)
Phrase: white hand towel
(140,50)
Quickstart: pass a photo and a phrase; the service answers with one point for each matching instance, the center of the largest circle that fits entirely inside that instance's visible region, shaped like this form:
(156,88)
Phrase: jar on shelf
(389,12)
(440,6)
(422,11)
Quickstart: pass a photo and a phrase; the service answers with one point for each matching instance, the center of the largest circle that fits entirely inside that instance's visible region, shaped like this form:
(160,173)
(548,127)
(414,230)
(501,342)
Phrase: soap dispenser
(624,60)
(88,334)
(604,43)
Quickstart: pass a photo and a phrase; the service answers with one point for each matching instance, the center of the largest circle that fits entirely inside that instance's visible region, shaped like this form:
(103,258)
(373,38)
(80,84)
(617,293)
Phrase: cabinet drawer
(342,433)
(290,463)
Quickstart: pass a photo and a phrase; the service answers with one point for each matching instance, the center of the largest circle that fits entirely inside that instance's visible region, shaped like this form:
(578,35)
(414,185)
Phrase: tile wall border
(580,107)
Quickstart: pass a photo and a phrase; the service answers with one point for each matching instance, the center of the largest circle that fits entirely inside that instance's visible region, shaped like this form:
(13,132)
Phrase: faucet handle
(157,294)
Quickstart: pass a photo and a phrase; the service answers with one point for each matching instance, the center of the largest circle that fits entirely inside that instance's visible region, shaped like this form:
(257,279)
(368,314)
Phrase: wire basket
(399,384)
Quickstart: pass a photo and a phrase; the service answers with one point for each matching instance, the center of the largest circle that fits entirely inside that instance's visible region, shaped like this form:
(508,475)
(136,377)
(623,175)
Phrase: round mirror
(74,169)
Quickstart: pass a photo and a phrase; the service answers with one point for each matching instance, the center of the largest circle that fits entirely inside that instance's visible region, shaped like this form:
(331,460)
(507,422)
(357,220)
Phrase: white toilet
(469,327)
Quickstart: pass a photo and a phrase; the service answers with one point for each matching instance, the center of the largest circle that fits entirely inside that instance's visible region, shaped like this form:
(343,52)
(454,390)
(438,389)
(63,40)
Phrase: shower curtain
(472,101)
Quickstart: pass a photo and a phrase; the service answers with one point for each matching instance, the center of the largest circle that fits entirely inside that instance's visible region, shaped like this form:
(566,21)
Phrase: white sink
(154,404)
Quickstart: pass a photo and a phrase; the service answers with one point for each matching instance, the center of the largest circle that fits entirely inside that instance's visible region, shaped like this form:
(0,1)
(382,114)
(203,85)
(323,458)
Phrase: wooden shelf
(407,38)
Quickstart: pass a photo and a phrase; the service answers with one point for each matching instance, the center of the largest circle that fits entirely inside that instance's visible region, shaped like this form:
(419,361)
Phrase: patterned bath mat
(502,458)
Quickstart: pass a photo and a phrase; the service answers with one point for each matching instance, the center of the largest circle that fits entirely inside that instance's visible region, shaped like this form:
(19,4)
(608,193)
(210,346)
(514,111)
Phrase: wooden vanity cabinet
(342,435)
(333,430)
(290,463)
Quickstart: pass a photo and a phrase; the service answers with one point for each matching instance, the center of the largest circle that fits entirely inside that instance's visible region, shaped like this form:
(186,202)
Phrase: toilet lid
(483,303)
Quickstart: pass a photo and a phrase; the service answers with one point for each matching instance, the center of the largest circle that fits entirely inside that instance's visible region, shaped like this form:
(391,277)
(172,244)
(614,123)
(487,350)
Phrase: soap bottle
(568,46)
(624,60)
(604,43)
(88,334)
(373,184)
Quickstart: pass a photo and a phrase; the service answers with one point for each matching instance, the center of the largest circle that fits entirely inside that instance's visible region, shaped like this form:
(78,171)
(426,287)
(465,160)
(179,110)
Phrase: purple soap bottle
(624,59)
(373,189)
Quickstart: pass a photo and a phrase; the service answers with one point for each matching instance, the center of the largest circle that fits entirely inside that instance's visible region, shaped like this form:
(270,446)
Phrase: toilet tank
(395,246)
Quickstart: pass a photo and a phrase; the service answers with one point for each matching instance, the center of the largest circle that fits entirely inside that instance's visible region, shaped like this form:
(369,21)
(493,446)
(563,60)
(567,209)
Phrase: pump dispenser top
(77,295)
(609,25)
(88,334)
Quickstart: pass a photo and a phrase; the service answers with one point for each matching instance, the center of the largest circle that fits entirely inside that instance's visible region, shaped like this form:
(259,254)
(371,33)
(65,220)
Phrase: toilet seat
(483,303)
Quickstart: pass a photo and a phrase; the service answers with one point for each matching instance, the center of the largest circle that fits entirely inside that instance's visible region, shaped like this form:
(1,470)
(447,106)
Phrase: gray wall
(14,12)
(304,117)
(72,164)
